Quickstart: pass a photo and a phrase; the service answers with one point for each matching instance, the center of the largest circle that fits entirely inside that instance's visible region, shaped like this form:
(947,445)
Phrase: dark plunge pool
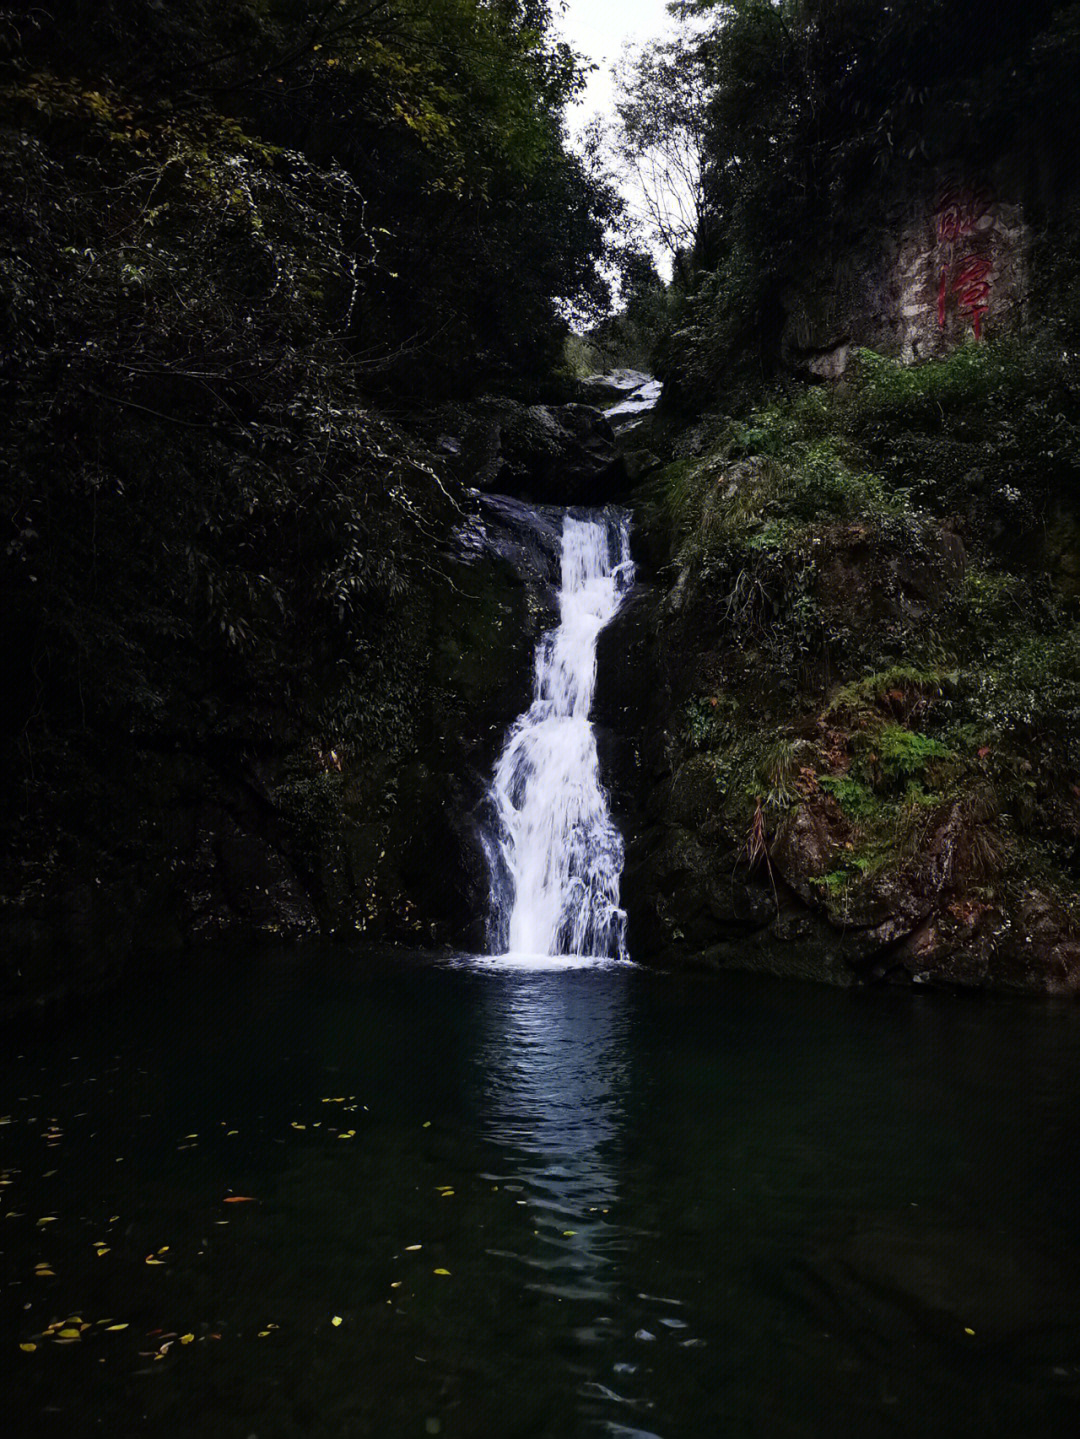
(331,1193)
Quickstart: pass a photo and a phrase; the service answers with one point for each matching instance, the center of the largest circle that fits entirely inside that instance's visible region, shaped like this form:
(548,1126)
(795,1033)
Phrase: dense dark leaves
(229,230)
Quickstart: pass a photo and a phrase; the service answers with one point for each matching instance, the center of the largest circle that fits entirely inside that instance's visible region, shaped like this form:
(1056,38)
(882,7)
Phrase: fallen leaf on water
(567,1233)
(263,1333)
(151,1260)
(969,1331)
(240,1199)
(69,1333)
(395,1284)
(336,1321)
(413,1246)
(28,1348)
(426,1124)
(47,1219)
(186,1338)
(298,1126)
(440,1271)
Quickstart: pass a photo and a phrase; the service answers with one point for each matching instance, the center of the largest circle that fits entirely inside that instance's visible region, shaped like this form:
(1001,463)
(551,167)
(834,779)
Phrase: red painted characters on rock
(963,270)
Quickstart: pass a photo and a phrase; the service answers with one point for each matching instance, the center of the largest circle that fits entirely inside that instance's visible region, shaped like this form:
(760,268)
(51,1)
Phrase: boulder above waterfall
(550,454)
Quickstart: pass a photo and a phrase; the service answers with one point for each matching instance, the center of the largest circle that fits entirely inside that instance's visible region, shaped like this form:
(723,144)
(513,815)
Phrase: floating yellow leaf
(440,1271)
(567,1233)
(448,1194)
(186,1338)
(101,1250)
(45,1273)
(410,1247)
(151,1260)
(69,1333)
(263,1333)
(426,1124)
(47,1219)
(336,1321)
(114,1327)
(969,1331)
(298,1126)
(395,1284)
(28,1348)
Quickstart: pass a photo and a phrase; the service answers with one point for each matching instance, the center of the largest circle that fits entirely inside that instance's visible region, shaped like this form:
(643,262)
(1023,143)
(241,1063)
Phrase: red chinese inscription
(958,213)
(967,276)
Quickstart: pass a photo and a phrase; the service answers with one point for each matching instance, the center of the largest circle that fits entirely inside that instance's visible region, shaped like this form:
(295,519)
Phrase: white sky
(598,29)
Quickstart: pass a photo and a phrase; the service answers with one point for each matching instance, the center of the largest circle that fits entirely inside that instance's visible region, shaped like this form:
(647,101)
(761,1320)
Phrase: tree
(659,136)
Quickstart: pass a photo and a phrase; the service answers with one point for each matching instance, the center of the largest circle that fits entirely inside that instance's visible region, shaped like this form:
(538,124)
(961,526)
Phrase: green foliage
(904,754)
(903,681)
(778,770)
(857,800)
(707,721)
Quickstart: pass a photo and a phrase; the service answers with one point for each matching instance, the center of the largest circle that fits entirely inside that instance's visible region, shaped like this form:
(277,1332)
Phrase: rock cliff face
(948,263)
(548,454)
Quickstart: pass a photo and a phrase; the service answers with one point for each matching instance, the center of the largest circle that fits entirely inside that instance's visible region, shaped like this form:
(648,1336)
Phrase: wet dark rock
(236,883)
(547,454)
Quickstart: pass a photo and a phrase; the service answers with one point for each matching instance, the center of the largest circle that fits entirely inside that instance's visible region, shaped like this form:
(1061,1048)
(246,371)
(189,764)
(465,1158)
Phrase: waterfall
(554,853)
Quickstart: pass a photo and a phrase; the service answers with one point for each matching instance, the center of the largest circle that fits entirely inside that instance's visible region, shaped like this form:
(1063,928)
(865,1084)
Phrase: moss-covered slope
(859,750)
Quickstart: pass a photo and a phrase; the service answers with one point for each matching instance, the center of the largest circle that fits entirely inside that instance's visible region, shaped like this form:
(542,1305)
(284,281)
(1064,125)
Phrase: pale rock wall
(948,264)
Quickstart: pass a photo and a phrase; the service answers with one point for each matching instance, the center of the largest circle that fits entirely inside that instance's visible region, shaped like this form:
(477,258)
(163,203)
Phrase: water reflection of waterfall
(554,1059)
(554,853)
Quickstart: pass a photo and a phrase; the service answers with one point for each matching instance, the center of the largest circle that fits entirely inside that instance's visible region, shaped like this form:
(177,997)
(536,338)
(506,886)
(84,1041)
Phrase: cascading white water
(555,855)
